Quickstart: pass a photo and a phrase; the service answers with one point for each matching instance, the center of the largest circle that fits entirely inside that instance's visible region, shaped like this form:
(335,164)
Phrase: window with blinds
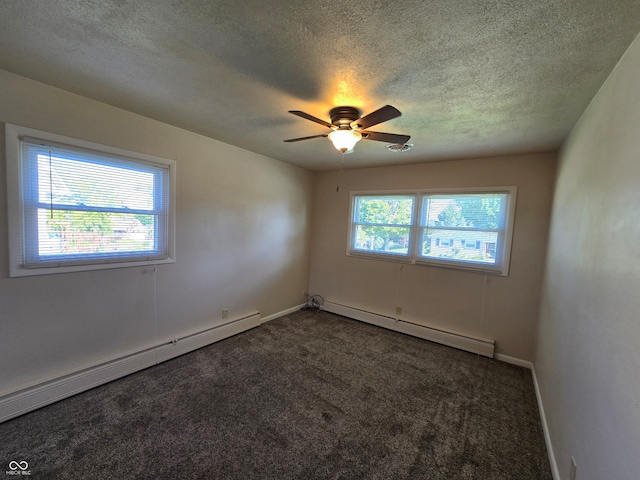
(459,228)
(84,207)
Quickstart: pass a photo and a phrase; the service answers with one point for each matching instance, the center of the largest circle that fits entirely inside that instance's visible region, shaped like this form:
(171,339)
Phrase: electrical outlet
(398,310)
(225,313)
(574,467)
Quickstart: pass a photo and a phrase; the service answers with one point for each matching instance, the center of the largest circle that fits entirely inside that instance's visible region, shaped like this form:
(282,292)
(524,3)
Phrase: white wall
(505,309)
(588,354)
(242,244)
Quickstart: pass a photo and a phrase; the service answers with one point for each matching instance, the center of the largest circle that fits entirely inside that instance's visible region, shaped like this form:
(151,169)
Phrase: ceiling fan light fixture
(344,140)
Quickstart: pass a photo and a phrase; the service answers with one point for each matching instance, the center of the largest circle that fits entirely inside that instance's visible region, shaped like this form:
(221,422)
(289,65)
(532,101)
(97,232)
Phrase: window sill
(20,271)
(468,267)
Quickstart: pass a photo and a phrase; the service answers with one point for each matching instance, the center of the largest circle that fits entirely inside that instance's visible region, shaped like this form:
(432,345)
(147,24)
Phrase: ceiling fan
(349,127)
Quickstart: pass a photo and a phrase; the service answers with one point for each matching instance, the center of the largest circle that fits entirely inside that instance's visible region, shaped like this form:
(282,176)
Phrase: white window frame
(505,236)
(20,229)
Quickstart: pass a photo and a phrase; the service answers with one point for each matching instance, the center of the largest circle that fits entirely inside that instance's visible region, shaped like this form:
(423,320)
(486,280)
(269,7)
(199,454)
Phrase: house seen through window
(461,228)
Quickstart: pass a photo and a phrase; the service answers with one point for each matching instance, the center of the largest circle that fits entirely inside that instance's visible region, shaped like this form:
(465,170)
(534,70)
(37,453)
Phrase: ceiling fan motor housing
(343,117)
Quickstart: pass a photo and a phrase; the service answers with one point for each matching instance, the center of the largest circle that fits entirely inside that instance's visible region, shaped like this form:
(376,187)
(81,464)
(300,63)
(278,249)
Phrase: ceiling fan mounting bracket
(343,117)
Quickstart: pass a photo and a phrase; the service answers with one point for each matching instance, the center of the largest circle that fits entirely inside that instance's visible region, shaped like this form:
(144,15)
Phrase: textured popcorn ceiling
(471,78)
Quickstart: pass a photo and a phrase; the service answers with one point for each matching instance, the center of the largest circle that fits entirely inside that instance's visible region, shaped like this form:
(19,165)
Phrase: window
(382,224)
(75,205)
(460,228)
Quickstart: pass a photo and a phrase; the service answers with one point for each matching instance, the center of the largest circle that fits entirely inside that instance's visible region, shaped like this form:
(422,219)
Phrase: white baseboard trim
(513,361)
(361,315)
(480,346)
(194,341)
(24,401)
(283,313)
(545,428)
(45,393)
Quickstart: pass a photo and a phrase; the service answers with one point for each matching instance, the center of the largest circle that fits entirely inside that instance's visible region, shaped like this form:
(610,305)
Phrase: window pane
(384,210)
(476,211)
(390,240)
(469,246)
(74,233)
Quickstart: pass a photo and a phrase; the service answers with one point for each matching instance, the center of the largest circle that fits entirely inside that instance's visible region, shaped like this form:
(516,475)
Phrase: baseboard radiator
(45,393)
(481,346)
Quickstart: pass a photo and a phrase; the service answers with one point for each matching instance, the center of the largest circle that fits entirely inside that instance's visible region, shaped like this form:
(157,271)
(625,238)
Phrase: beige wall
(444,298)
(588,355)
(242,244)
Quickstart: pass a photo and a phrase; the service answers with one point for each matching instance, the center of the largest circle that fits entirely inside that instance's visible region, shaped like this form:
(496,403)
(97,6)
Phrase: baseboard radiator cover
(481,346)
(28,399)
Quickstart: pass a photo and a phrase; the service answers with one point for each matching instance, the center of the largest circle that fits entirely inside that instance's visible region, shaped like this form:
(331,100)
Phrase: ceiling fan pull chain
(50,186)
(340,174)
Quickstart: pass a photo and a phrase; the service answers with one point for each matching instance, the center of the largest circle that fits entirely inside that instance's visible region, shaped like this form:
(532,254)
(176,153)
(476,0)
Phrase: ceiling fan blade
(310,117)
(305,138)
(381,115)
(386,137)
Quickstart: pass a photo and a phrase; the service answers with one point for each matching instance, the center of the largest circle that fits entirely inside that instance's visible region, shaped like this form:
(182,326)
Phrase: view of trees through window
(90,208)
(71,232)
(459,227)
(383,224)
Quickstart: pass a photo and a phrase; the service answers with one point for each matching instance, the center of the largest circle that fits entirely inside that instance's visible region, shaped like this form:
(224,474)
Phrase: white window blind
(463,228)
(83,207)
